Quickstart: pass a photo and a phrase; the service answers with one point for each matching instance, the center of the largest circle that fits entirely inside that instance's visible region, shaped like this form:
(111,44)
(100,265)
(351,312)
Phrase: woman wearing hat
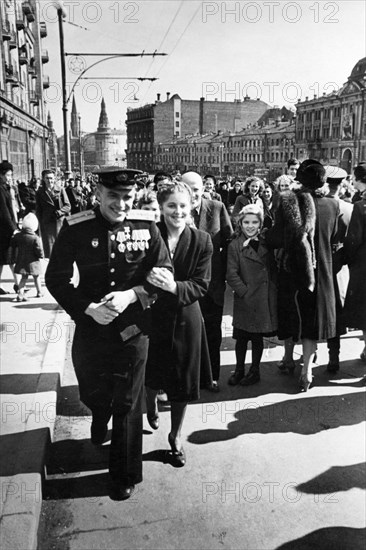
(305,226)
(355,250)
(7,218)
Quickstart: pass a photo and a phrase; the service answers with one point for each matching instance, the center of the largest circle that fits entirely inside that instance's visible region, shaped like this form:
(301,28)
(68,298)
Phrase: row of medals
(139,241)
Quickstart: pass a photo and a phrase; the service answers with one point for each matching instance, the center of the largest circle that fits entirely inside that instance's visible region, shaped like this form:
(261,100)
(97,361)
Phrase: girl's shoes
(287,367)
(305,383)
(236,377)
(253,377)
(21,298)
(39,295)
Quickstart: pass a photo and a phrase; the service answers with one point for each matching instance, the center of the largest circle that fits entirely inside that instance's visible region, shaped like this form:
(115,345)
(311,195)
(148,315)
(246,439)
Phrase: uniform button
(113,237)
(113,255)
(112,270)
(113,283)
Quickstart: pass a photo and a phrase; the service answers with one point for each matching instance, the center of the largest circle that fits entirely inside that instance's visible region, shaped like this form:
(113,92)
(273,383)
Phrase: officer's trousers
(111,381)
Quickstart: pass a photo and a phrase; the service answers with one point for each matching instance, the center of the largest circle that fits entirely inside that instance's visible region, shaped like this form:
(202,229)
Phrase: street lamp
(61,15)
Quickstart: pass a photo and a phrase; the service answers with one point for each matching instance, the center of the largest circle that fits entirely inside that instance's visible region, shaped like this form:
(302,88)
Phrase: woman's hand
(162,278)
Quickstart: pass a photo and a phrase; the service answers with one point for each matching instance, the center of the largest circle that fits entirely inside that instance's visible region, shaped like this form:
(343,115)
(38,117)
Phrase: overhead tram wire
(166,34)
(175,47)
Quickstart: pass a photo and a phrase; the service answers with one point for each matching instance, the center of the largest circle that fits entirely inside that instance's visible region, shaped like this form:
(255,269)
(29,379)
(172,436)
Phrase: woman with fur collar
(305,225)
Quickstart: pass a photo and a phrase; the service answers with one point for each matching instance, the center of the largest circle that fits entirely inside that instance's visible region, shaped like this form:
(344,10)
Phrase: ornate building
(23,122)
(332,128)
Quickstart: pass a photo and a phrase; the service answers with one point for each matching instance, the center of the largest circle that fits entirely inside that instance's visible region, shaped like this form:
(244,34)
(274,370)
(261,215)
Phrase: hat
(311,174)
(118,178)
(30,221)
(334,174)
(360,172)
(5,166)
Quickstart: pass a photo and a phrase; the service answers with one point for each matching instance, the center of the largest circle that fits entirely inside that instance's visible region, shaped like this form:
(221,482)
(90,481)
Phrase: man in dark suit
(211,216)
(52,206)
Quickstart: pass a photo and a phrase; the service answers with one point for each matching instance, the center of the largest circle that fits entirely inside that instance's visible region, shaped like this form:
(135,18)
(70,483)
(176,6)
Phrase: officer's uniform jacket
(109,258)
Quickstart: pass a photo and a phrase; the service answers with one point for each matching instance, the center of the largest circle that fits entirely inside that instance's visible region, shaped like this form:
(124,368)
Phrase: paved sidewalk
(33,344)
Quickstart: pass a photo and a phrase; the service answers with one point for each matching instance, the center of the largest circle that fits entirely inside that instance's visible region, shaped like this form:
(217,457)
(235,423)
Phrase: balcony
(43,29)
(33,97)
(11,75)
(28,12)
(20,25)
(46,82)
(32,67)
(45,57)
(23,56)
(6,29)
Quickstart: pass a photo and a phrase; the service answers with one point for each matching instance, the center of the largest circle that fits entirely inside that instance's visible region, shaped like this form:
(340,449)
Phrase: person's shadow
(304,416)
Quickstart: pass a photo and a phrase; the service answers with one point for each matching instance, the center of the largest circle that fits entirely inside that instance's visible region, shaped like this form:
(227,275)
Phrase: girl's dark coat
(252,275)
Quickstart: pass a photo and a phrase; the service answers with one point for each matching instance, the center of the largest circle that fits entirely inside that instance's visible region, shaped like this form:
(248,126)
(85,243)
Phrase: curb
(23,455)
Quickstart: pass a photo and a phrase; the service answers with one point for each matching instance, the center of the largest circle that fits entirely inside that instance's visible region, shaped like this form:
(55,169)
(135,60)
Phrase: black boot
(236,377)
(251,378)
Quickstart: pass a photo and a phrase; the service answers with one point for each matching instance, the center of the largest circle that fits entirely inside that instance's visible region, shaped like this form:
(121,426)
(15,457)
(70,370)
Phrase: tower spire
(74,120)
(103,125)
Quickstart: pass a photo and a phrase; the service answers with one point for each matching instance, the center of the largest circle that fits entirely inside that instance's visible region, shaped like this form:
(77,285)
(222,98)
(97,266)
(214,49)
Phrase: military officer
(114,247)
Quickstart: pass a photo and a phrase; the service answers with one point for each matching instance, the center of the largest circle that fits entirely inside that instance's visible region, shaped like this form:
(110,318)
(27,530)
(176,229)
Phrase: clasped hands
(162,278)
(111,306)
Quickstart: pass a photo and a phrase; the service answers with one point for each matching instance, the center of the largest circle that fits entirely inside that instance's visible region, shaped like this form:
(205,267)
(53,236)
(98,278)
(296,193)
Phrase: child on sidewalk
(251,273)
(26,252)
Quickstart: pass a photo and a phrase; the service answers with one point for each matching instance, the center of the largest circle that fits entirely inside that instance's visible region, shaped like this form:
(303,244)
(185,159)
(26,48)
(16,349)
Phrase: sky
(278,51)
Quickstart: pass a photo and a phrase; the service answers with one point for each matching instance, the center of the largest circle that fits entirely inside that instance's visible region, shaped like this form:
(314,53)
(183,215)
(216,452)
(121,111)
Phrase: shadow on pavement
(304,416)
(23,452)
(18,384)
(337,478)
(329,538)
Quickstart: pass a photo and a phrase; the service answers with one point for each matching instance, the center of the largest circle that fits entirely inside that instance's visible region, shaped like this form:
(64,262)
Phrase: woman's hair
(250,180)
(248,209)
(147,198)
(174,187)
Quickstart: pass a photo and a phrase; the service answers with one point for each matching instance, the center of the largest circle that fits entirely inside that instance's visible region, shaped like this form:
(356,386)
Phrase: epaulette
(83,216)
(142,215)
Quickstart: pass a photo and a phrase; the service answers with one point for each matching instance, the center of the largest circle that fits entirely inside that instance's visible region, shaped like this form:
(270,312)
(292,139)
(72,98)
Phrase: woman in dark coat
(7,218)
(52,207)
(305,227)
(178,347)
(355,251)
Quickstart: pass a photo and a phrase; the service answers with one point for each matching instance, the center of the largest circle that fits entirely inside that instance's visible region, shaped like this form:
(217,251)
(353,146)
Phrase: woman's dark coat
(355,251)
(178,348)
(51,212)
(305,227)
(7,223)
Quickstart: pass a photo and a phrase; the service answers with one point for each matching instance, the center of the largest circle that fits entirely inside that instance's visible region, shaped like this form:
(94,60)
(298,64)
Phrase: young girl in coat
(26,252)
(251,273)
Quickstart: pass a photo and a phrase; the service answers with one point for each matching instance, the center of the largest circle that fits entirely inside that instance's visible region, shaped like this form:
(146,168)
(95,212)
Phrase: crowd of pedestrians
(154,255)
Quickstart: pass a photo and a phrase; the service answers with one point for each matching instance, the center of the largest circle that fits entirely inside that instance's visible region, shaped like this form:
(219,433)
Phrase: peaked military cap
(334,174)
(119,178)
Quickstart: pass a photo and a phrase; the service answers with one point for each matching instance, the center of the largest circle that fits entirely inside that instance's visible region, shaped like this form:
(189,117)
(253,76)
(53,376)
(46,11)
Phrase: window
(177,124)
(176,115)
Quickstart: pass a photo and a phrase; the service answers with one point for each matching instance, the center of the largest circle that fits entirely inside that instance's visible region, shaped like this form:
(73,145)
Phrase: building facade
(332,128)
(264,148)
(23,119)
(175,118)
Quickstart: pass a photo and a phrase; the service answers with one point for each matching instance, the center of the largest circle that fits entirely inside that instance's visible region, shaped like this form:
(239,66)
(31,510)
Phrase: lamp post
(61,15)
(80,150)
